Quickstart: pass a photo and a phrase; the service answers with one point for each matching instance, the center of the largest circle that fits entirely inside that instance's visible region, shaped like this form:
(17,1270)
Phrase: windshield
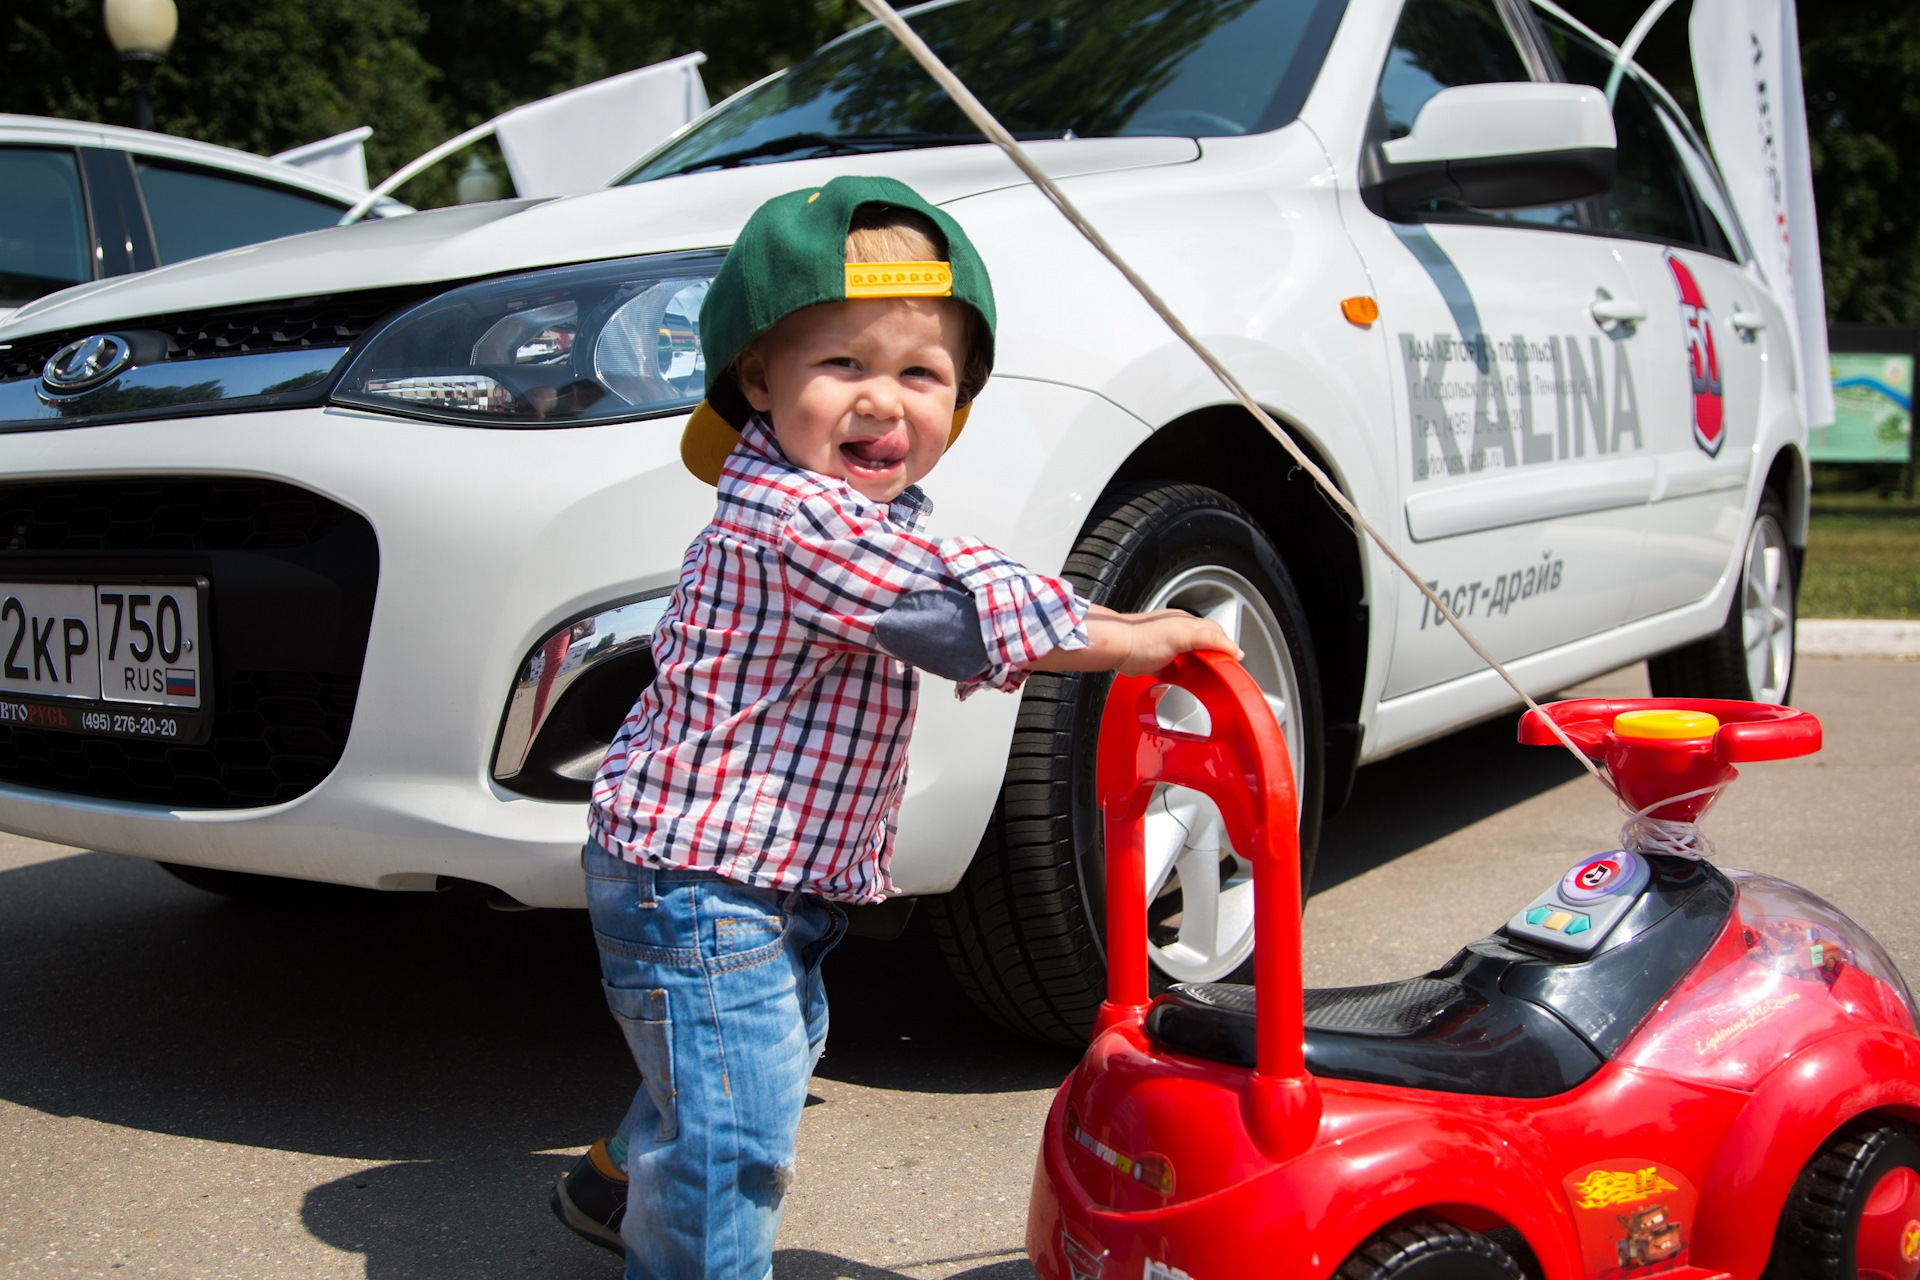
(1046,68)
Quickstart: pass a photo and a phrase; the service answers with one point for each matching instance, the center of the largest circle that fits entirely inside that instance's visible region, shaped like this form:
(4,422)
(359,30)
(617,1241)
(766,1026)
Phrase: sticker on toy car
(1635,1217)
(1703,360)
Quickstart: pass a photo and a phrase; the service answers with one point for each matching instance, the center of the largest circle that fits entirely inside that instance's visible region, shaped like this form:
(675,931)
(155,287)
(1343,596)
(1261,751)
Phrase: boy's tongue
(876,453)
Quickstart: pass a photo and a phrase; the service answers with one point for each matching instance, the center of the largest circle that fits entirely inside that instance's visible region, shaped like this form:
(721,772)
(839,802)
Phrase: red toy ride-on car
(1656,1068)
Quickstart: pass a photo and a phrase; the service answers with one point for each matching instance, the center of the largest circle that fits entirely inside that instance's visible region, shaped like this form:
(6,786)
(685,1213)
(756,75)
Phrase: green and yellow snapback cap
(792,254)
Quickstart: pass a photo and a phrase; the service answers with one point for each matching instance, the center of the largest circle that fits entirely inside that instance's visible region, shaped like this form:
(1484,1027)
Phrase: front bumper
(487,539)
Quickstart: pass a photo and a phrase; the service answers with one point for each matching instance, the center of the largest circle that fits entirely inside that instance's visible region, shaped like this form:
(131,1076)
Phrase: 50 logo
(1703,362)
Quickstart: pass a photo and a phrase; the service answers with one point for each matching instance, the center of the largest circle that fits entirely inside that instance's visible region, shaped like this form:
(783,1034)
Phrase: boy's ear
(750,372)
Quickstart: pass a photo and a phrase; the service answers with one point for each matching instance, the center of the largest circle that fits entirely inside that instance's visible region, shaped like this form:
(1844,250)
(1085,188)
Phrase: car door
(1520,447)
(1701,375)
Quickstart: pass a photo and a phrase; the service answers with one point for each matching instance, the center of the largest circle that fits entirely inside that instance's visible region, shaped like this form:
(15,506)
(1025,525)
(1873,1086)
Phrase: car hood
(695,211)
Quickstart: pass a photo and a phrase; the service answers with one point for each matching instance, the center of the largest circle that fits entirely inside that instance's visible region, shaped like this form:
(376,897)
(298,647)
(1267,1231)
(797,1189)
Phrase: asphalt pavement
(349,1084)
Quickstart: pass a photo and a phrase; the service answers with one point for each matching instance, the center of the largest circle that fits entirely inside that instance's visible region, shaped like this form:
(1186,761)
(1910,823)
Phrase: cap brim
(709,438)
(706,442)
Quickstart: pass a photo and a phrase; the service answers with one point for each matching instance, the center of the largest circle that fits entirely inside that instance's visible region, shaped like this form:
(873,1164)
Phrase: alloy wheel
(1199,890)
(1766,612)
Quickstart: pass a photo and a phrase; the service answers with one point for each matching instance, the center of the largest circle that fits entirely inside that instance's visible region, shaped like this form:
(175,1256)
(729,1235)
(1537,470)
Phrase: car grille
(274,326)
(173,515)
(291,578)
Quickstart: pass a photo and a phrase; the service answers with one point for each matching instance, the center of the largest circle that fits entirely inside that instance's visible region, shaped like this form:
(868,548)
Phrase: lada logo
(86,364)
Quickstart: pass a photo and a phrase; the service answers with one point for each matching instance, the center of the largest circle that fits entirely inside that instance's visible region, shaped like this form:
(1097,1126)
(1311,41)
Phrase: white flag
(342,157)
(1746,58)
(583,138)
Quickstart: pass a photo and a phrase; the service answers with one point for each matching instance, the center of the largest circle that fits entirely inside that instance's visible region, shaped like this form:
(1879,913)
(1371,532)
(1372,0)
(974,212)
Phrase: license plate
(103,657)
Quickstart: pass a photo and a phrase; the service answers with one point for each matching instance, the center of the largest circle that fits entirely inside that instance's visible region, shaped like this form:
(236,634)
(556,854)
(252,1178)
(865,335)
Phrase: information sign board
(1873,371)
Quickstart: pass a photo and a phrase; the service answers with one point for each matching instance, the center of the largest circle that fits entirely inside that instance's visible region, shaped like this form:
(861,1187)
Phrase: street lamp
(142,31)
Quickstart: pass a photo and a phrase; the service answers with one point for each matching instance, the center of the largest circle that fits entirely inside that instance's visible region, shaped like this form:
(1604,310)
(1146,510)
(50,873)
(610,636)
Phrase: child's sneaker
(591,1199)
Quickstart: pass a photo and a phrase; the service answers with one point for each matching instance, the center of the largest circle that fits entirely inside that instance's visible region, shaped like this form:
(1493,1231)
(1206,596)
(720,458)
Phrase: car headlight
(561,347)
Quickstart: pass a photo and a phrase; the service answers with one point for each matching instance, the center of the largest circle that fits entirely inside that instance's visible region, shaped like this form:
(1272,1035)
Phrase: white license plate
(102,642)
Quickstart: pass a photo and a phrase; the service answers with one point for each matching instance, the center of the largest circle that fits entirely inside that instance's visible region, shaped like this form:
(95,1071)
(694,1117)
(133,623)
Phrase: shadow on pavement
(463,1051)
(452,1043)
(1415,798)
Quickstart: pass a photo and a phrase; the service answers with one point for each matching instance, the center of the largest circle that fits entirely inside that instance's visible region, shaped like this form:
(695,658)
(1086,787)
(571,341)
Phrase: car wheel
(244,885)
(1854,1211)
(1751,657)
(1023,930)
(1429,1251)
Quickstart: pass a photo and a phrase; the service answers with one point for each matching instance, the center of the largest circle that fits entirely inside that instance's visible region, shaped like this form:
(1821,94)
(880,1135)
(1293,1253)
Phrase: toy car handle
(1749,731)
(1241,764)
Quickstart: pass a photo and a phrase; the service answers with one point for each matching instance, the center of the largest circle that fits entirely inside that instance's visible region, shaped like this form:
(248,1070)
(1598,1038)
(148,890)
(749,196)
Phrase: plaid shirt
(772,745)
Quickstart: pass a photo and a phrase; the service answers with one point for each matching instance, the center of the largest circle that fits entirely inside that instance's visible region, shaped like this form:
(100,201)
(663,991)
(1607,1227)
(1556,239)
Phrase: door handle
(1747,322)
(1618,311)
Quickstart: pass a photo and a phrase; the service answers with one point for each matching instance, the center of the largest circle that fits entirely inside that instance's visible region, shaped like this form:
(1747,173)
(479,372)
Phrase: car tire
(1022,932)
(246,886)
(1750,658)
(1429,1251)
(1855,1209)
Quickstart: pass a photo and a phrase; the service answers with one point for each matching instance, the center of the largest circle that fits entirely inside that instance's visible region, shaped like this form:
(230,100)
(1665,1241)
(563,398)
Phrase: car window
(1652,197)
(1717,223)
(43,223)
(1097,68)
(196,211)
(1441,44)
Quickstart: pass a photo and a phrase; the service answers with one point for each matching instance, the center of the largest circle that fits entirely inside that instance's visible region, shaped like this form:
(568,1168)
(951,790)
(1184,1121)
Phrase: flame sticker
(1605,1187)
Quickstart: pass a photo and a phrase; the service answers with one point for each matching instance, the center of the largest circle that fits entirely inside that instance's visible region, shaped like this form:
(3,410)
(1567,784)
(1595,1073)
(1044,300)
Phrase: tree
(265,75)
(1861,64)
(262,75)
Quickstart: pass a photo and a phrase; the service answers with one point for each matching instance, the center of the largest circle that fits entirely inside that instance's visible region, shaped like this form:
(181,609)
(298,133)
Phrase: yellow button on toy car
(1665,724)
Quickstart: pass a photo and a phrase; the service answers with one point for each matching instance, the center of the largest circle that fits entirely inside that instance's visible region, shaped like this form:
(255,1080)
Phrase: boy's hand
(1136,643)
(1160,637)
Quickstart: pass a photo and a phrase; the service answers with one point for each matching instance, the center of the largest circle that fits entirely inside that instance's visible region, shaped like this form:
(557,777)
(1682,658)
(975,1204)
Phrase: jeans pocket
(741,942)
(643,1018)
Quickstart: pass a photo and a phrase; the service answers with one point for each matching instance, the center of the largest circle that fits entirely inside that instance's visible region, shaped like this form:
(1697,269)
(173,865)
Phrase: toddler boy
(754,787)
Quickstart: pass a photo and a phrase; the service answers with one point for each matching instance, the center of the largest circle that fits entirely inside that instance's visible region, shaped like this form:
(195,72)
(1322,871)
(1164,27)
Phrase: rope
(984,120)
(1644,834)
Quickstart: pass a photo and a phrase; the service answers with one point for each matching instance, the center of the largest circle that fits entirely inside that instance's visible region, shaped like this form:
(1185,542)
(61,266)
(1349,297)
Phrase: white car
(336,557)
(82,201)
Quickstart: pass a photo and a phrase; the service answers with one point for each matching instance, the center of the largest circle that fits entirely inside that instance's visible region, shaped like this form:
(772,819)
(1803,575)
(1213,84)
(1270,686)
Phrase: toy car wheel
(1854,1212)
(1751,657)
(1022,932)
(1429,1251)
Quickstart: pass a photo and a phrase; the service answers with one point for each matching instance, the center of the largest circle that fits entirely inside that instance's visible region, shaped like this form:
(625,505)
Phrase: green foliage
(496,55)
(265,75)
(259,76)
(1861,63)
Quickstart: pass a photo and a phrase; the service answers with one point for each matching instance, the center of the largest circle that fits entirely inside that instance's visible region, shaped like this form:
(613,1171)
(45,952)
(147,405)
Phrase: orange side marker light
(1361,310)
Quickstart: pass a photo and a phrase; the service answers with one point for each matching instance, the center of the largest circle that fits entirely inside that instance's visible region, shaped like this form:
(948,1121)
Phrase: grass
(1863,558)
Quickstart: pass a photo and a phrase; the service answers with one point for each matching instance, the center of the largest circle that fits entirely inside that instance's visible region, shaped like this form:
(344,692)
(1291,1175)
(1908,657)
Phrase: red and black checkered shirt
(772,745)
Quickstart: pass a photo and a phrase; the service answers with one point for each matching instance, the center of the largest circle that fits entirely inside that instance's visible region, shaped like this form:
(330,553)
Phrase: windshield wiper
(850,144)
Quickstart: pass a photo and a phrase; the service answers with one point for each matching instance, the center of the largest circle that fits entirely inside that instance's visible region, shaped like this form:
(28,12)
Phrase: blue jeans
(717,987)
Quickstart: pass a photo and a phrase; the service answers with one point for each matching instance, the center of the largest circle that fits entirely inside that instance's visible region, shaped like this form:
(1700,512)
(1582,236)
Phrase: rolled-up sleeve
(859,580)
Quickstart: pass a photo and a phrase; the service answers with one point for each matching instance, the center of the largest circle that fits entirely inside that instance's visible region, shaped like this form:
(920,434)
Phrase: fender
(1441,1167)
(1796,1108)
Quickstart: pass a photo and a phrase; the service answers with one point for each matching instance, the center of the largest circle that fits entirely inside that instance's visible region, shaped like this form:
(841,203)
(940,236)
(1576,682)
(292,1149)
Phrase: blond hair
(884,233)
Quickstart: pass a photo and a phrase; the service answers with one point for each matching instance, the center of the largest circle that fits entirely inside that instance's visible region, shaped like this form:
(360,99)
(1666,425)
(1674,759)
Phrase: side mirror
(1499,146)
